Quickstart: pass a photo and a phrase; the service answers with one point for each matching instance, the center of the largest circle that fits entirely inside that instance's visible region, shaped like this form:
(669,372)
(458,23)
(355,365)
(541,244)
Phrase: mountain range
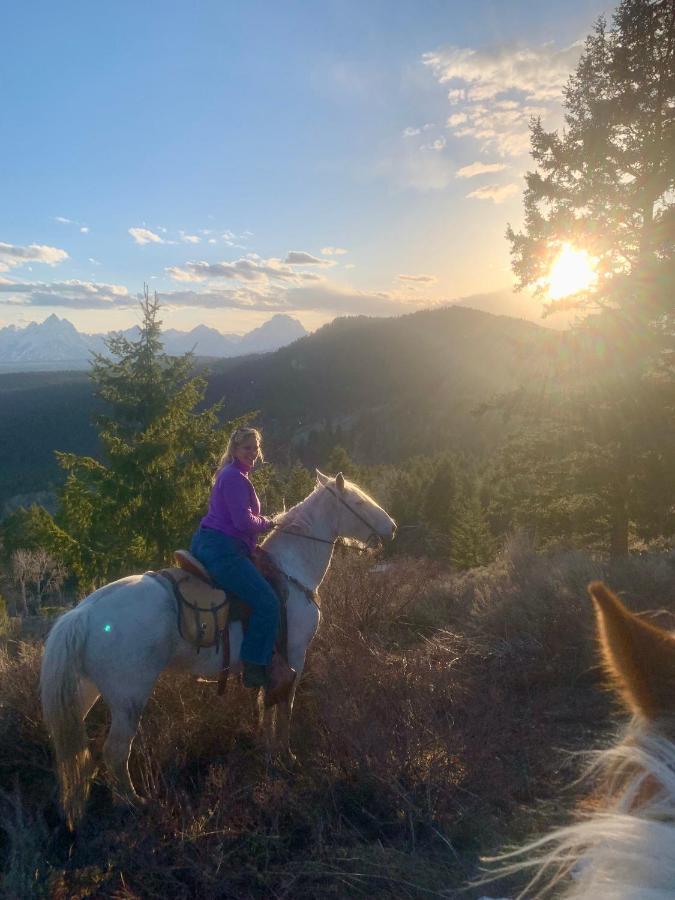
(56,343)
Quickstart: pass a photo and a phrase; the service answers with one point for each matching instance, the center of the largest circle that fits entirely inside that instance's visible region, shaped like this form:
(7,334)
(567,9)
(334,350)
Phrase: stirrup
(190,563)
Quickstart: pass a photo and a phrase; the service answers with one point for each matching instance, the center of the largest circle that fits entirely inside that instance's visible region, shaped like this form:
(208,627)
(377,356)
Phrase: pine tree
(130,509)
(606,184)
(471,543)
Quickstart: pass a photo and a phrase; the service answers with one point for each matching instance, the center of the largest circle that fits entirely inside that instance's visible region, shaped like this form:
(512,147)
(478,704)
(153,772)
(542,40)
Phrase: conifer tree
(132,507)
(606,184)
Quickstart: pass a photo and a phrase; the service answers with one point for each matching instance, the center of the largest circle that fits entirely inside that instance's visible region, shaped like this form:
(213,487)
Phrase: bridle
(373,541)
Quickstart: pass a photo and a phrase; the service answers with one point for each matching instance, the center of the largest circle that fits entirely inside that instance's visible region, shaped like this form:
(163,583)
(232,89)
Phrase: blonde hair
(237,438)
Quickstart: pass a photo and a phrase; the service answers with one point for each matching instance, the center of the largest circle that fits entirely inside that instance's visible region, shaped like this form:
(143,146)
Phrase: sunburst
(573,271)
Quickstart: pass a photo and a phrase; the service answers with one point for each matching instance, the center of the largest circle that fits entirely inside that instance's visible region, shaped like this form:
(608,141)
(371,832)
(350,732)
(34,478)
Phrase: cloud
(498,193)
(334,251)
(245,269)
(420,279)
(499,89)
(436,145)
(12,255)
(539,73)
(322,296)
(145,236)
(300,258)
(62,220)
(72,294)
(456,119)
(479,168)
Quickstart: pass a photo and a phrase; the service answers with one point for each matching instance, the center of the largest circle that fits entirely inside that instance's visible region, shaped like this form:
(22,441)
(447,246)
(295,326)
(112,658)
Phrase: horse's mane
(296,518)
(627,851)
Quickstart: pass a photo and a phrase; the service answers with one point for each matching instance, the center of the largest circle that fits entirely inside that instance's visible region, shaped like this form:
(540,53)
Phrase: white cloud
(499,89)
(419,279)
(189,238)
(539,73)
(436,145)
(62,220)
(73,294)
(145,236)
(411,132)
(498,193)
(479,168)
(456,119)
(246,269)
(12,255)
(333,251)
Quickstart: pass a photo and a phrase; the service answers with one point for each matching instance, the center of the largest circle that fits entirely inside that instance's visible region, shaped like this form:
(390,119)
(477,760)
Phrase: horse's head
(357,515)
(625,850)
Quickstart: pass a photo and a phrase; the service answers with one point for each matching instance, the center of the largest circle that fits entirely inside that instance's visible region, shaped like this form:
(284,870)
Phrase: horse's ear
(638,656)
(340,481)
(321,478)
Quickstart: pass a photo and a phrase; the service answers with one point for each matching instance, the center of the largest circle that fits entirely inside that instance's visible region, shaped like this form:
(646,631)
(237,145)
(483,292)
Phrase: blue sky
(247,158)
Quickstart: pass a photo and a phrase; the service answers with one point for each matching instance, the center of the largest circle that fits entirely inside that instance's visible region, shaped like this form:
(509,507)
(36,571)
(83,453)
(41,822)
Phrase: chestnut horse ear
(321,478)
(340,481)
(638,657)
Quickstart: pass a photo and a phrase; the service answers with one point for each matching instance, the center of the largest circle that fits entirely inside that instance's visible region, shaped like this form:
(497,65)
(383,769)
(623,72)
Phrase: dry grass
(429,728)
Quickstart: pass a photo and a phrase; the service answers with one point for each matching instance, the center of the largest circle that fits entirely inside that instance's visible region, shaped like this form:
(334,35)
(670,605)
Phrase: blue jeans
(228,561)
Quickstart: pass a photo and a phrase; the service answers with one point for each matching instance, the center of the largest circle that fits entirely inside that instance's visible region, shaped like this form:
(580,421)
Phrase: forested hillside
(385,388)
(41,412)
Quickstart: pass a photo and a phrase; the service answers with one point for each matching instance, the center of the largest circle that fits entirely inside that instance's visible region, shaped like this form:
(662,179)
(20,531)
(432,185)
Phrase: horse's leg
(116,752)
(266,724)
(283,730)
(125,713)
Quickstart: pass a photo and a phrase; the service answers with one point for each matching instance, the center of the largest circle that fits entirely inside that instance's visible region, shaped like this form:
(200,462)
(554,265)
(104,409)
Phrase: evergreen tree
(471,543)
(606,185)
(140,501)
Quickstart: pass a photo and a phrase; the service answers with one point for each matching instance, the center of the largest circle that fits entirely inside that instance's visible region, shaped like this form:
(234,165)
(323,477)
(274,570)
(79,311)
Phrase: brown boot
(281,677)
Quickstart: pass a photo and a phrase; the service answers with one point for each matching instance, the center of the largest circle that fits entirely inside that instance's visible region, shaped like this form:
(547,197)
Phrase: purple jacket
(234,507)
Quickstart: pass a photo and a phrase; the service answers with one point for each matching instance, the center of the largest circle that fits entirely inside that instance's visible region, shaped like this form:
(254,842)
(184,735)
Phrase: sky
(250,158)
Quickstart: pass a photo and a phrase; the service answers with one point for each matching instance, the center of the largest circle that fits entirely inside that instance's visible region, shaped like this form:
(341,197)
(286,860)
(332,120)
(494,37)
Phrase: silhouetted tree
(606,184)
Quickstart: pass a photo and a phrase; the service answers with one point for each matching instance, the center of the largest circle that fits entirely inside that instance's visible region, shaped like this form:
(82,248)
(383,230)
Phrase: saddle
(204,611)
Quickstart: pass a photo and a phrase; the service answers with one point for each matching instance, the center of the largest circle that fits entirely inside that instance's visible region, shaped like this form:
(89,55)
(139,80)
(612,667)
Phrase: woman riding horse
(223,543)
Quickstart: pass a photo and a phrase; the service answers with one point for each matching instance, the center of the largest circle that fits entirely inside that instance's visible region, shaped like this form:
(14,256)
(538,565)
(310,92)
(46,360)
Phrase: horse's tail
(61,708)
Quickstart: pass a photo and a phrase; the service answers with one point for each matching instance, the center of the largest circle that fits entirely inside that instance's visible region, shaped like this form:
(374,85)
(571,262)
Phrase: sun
(573,271)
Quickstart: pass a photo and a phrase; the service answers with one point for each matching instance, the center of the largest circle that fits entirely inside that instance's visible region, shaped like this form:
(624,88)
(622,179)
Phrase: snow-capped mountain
(57,341)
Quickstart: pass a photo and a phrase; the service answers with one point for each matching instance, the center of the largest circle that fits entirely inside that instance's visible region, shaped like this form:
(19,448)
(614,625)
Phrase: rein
(374,539)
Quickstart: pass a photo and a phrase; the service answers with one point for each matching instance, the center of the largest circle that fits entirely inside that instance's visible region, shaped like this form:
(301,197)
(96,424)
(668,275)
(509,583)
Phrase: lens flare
(573,271)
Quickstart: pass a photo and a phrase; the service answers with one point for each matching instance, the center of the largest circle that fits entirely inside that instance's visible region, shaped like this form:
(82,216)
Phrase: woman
(224,542)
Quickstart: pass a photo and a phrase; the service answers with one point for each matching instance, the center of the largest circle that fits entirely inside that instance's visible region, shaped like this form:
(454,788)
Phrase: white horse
(625,851)
(120,638)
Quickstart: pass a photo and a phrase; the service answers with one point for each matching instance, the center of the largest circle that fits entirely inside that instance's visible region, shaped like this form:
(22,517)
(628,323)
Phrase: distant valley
(385,389)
